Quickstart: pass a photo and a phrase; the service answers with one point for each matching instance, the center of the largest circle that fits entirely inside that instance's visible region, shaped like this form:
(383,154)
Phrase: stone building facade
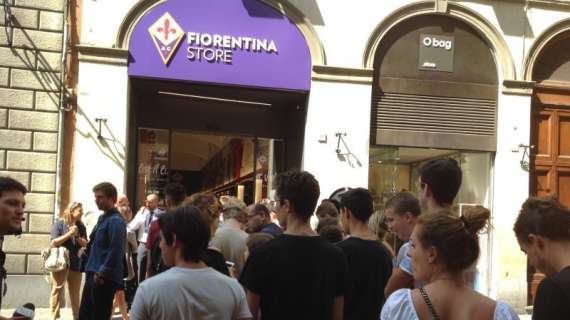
(350,86)
(31,42)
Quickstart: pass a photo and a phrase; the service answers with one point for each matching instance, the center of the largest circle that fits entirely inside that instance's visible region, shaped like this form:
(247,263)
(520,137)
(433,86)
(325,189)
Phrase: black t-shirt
(297,277)
(212,258)
(552,300)
(369,268)
(215,260)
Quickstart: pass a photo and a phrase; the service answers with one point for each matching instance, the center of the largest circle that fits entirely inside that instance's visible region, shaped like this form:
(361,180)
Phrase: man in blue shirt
(105,261)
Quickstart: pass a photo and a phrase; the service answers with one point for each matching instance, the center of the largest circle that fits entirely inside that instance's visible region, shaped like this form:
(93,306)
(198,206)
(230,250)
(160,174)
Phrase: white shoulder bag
(55,259)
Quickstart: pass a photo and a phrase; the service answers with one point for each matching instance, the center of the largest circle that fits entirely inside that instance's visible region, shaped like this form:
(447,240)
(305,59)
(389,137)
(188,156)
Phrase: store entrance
(225,140)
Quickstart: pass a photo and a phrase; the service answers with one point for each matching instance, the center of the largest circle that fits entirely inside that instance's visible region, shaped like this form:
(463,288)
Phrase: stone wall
(30,70)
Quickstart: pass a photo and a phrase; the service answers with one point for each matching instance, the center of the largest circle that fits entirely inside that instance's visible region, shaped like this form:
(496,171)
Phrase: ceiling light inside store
(197,97)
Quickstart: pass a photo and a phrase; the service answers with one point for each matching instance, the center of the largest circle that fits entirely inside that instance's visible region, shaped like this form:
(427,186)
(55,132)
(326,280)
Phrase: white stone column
(511,188)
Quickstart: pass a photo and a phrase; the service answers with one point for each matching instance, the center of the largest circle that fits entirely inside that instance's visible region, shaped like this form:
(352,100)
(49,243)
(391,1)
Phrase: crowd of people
(203,257)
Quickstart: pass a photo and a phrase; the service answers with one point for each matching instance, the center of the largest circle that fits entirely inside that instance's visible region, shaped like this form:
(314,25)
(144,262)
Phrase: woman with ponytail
(443,248)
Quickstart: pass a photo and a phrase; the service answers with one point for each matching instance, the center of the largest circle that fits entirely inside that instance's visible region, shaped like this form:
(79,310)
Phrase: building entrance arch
(218,94)
(488,32)
(434,95)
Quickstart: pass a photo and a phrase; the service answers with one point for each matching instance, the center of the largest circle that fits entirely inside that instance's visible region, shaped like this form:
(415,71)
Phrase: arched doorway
(550,157)
(550,129)
(218,97)
(434,95)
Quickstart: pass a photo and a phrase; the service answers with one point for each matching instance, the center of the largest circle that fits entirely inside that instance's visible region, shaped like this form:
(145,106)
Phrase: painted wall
(102,93)
(329,113)
(103,32)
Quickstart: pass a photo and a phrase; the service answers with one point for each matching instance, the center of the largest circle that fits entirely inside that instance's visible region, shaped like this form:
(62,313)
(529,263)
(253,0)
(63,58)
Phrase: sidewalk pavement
(44,314)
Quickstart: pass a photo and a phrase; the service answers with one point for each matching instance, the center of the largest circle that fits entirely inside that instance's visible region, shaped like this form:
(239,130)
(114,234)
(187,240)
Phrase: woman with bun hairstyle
(443,247)
(543,232)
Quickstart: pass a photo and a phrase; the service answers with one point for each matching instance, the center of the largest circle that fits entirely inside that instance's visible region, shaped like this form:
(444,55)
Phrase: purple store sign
(233,42)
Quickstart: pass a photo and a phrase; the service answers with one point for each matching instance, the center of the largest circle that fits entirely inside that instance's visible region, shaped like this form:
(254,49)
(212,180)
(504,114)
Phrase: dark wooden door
(550,158)
(550,155)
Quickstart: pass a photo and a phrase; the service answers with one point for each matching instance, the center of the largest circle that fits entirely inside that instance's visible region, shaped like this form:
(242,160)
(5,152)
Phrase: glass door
(221,164)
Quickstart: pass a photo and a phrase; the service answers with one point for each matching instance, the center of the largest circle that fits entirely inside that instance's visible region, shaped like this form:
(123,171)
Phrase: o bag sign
(228,42)
(436,53)
(437,43)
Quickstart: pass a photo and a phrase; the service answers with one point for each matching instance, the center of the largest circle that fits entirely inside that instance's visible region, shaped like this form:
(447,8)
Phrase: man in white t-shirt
(190,289)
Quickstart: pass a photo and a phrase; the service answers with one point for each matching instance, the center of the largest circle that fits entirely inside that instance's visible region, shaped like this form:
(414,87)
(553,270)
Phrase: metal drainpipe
(63,100)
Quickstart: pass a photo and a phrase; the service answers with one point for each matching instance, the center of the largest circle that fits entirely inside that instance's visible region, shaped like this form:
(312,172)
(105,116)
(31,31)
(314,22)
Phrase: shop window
(394,169)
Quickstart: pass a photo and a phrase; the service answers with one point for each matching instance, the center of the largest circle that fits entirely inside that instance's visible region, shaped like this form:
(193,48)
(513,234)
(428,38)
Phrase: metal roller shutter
(434,121)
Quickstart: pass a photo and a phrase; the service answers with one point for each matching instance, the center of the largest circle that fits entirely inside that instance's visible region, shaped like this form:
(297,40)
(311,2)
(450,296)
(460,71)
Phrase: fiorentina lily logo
(166,34)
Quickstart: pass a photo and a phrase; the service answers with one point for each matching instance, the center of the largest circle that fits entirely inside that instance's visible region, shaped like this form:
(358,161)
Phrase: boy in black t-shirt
(298,275)
(369,263)
(543,232)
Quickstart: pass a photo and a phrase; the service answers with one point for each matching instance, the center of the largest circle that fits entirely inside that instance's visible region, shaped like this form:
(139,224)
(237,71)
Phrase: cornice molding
(553,85)
(341,74)
(521,88)
(103,55)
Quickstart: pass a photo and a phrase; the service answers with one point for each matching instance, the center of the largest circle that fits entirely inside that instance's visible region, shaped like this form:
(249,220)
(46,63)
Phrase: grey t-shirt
(182,293)
(231,243)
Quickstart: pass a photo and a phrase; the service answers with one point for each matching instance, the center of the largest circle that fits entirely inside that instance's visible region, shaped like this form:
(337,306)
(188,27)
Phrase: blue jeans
(97,301)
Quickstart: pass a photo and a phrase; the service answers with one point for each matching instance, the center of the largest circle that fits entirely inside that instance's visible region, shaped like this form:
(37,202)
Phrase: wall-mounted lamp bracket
(100,121)
(527,149)
(339,136)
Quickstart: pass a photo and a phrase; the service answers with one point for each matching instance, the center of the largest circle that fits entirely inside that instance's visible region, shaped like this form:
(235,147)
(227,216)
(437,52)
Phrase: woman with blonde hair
(68,231)
(210,209)
(443,247)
